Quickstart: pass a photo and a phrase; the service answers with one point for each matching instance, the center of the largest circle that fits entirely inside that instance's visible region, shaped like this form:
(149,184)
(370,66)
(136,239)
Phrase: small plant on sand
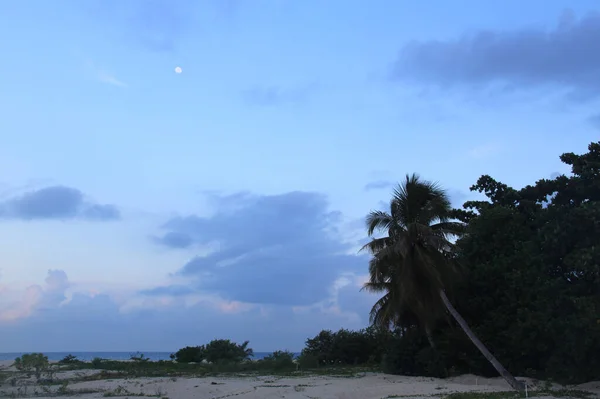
(63,389)
(139,358)
(33,363)
(278,361)
(97,362)
(69,359)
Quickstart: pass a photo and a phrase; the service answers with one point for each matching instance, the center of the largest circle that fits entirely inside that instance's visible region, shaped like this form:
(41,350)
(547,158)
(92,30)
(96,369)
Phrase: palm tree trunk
(516,385)
(430,337)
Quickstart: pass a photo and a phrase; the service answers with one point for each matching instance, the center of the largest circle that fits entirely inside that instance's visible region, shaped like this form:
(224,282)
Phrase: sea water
(87,356)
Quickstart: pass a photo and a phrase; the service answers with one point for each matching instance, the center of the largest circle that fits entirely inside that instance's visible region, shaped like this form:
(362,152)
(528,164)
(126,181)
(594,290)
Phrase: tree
(226,351)
(36,363)
(532,259)
(413,263)
(216,351)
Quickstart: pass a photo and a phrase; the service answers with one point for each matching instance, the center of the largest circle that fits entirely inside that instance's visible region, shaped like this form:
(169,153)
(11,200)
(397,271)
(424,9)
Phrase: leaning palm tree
(412,263)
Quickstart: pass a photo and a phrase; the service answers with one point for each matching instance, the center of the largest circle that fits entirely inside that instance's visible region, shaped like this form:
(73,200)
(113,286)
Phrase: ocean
(87,356)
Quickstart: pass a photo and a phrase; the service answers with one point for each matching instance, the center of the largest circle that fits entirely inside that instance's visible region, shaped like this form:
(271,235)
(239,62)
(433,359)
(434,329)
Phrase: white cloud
(110,79)
(40,319)
(103,75)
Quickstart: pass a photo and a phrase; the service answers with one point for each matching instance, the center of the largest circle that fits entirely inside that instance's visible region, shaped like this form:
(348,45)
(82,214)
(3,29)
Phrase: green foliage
(307,361)
(189,354)
(139,358)
(33,363)
(69,359)
(412,262)
(347,347)
(216,351)
(278,361)
(97,362)
(530,287)
(533,282)
(226,351)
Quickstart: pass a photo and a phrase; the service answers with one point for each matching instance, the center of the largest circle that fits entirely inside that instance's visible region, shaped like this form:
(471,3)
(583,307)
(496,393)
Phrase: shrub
(348,347)
(216,351)
(36,363)
(226,351)
(189,354)
(278,360)
(308,361)
(97,362)
(139,358)
(69,359)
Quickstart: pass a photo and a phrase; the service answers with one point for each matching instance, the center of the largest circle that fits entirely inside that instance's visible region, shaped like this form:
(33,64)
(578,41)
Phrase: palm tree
(412,263)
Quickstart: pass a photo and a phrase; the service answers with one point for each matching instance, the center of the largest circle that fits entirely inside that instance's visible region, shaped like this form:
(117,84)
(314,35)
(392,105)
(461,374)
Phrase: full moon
(178,70)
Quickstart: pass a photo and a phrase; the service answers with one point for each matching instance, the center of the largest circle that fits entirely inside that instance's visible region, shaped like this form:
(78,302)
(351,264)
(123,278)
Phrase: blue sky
(142,209)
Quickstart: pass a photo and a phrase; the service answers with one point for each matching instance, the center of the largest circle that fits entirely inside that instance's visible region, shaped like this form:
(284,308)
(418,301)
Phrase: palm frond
(378,221)
(413,262)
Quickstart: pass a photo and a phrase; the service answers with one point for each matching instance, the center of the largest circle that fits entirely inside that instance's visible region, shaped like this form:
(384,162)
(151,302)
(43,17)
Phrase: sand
(363,386)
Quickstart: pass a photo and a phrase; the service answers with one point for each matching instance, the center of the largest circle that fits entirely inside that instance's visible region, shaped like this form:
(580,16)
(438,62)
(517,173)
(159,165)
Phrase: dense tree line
(509,284)
(524,274)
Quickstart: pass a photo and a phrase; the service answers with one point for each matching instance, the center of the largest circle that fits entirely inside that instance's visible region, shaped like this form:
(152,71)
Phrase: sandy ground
(367,386)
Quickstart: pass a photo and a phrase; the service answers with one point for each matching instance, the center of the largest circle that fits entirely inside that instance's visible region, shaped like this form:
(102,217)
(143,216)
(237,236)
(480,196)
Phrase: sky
(147,210)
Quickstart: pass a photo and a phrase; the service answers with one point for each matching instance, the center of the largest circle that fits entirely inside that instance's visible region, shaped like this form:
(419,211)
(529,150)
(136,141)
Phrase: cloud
(269,96)
(37,298)
(564,57)
(278,249)
(42,320)
(56,202)
(110,79)
(175,239)
(102,75)
(595,121)
(379,185)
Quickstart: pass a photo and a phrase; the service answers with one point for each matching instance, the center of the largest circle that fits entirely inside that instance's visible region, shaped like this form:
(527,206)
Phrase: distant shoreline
(88,356)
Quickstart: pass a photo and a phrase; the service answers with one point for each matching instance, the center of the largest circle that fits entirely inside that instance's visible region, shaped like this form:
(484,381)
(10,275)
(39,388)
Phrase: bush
(216,351)
(139,358)
(226,351)
(189,354)
(279,361)
(97,362)
(308,361)
(401,357)
(33,363)
(69,359)
(348,347)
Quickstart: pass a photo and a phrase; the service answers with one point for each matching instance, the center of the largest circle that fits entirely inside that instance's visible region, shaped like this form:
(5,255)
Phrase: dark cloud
(103,325)
(174,239)
(57,283)
(271,249)
(595,121)
(56,202)
(274,95)
(169,290)
(565,57)
(378,185)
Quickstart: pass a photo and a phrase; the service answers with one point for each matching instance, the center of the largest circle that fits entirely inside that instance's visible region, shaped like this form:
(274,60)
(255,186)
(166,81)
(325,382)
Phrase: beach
(96,384)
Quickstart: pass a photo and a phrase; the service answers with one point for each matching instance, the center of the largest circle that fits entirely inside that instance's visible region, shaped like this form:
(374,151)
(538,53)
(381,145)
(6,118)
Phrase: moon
(178,70)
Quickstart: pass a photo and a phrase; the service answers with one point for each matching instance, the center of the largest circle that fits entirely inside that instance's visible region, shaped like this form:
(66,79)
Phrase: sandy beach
(363,386)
